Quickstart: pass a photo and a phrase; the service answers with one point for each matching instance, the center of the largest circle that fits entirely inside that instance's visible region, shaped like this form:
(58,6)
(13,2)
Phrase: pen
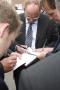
(30,53)
(45,43)
(24,46)
(56,45)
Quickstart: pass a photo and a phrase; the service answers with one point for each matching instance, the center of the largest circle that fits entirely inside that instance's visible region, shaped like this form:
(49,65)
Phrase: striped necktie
(29,37)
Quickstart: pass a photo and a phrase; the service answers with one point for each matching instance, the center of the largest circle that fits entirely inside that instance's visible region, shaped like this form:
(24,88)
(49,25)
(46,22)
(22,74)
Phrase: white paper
(26,59)
(18,63)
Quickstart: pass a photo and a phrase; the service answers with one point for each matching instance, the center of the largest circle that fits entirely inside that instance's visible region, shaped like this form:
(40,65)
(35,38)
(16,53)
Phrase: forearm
(42,53)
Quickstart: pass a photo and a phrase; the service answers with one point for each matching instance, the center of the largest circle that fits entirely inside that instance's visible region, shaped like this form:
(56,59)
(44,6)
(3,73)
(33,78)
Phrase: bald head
(32,9)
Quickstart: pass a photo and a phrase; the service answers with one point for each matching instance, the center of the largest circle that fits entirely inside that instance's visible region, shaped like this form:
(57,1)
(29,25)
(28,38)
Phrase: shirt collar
(33,23)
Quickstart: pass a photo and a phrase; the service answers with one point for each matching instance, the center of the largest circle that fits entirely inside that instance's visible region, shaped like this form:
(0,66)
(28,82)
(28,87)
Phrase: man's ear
(3,28)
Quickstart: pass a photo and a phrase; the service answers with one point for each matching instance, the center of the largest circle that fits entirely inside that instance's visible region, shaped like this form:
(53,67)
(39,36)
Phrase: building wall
(17,1)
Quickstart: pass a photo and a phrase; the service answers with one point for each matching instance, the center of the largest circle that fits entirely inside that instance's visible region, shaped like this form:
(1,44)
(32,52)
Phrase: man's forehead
(50,11)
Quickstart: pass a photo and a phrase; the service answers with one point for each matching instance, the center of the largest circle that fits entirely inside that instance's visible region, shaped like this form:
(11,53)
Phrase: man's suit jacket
(46,34)
(43,75)
(3,85)
(46,29)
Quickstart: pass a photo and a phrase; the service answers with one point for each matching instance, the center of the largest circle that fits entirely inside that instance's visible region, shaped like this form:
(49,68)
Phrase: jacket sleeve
(44,75)
(52,34)
(1,71)
(3,85)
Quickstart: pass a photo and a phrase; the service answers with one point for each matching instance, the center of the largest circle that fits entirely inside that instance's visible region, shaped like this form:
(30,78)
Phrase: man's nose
(31,20)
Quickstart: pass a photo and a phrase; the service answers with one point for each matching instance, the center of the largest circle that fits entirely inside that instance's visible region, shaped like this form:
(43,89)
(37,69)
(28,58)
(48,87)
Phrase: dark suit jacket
(46,29)
(46,34)
(43,75)
(57,45)
(3,86)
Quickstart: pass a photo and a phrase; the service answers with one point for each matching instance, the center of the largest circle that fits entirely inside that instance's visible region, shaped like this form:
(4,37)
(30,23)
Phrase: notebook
(25,59)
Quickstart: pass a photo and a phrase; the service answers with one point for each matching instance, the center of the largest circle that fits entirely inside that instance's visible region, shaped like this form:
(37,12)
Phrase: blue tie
(28,41)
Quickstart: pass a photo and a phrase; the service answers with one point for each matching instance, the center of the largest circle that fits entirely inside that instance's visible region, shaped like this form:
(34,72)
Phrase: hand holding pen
(21,48)
(24,49)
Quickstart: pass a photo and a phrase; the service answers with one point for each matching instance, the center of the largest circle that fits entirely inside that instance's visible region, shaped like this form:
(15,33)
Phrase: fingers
(8,63)
(12,57)
(39,50)
(12,60)
(15,54)
(23,46)
(20,49)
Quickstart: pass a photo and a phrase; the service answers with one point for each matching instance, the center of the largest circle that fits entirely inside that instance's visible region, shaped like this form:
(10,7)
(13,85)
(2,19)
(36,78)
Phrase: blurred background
(18,4)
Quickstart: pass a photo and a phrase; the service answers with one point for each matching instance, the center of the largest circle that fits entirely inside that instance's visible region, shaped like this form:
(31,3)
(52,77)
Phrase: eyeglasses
(34,19)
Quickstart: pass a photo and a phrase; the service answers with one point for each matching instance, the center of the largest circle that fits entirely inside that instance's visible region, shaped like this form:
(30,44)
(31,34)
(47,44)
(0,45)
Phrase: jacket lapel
(41,31)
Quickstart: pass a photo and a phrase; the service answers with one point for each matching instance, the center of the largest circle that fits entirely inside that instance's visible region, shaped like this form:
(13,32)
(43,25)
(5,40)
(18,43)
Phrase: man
(53,13)
(40,30)
(9,29)
(50,8)
(44,75)
(44,31)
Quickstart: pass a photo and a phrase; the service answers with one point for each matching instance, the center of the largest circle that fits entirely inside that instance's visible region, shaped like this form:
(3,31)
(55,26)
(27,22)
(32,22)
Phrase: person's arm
(3,85)
(42,52)
(6,65)
(21,48)
(1,70)
(52,34)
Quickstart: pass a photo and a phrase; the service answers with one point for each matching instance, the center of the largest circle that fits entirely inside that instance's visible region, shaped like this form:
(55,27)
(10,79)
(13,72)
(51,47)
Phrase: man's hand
(41,52)
(21,49)
(8,63)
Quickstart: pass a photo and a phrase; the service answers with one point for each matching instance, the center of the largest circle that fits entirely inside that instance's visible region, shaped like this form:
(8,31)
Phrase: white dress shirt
(34,29)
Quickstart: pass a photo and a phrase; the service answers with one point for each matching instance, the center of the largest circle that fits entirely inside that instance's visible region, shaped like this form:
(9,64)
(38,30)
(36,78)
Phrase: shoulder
(43,17)
(43,20)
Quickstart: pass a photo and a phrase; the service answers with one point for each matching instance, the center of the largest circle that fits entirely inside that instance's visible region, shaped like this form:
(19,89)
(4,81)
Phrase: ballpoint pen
(31,53)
